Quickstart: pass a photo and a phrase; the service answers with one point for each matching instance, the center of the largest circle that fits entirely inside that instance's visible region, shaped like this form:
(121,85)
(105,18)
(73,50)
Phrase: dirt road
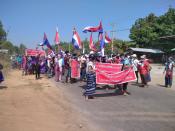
(27,104)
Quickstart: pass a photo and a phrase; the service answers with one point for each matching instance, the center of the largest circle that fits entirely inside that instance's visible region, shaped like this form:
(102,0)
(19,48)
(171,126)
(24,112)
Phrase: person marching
(126,65)
(1,75)
(91,83)
(144,70)
(169,72)
(37,67)
(83,68)
(67,71)
(57,70)
(134,62)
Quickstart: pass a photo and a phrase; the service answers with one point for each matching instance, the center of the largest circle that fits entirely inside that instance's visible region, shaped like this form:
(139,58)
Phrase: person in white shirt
(134,63)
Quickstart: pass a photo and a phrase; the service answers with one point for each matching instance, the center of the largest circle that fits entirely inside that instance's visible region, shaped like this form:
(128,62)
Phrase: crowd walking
(60,67)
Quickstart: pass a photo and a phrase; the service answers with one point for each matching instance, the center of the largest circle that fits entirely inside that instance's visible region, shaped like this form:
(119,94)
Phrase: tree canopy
(2,33)
(4,44)
(147,32)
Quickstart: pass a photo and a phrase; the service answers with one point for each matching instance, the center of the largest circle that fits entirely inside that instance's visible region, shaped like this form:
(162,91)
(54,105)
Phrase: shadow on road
(107,88)
(161,85)
(115,93)
(104,87)
(3,87)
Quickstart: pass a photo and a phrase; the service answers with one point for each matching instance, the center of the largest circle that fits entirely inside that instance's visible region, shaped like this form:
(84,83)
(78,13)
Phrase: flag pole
(69,47)
(112,31)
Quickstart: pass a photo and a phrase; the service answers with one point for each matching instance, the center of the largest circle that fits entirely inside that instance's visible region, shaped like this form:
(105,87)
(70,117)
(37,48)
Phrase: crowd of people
(59,66)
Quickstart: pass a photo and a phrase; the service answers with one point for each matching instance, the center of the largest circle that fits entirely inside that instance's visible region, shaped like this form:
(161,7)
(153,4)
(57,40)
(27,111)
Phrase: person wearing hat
(83,66)
(134,62)
(169,72)
(144,70)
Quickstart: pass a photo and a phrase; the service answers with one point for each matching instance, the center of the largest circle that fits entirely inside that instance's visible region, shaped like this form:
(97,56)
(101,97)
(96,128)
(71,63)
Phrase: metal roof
(173,49)
(146,50)
(3,51)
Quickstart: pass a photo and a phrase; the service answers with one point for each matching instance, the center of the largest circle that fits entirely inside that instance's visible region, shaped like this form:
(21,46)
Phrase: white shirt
(135,64)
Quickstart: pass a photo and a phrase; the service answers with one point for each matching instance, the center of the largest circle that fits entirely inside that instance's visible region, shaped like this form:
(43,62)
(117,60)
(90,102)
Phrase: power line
(125,29)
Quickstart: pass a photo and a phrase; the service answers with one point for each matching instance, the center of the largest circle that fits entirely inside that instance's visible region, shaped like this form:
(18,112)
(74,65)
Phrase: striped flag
(76,41)
(46,42)
(102,43)
(93,29)
(91,44)
(57,37)
(107,39)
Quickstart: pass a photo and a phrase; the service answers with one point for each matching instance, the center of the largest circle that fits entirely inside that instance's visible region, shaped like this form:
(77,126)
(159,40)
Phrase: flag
(57,38)
(93,29)
(46,42)
(91,44)
(51,53)
(102,43)
(76,40)
(107,39)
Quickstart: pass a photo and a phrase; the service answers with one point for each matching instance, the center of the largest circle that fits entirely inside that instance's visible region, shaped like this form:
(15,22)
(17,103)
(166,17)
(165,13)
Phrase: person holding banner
(126,65)
(91,83)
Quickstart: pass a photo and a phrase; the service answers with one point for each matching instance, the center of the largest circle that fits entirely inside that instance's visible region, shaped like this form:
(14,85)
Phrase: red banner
(34,52)
(111,74)
(75,69)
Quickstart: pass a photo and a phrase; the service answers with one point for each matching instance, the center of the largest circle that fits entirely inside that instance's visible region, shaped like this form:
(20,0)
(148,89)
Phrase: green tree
(22,48)
(8,45)
(2,33)
(146,32)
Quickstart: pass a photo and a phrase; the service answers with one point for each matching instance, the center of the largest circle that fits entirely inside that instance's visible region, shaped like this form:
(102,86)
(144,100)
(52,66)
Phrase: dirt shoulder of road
(37,105)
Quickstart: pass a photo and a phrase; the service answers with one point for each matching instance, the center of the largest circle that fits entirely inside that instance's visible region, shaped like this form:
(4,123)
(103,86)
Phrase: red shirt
(144,67)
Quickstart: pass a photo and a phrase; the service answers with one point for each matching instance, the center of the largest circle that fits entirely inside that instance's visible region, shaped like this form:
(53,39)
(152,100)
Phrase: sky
(27,20)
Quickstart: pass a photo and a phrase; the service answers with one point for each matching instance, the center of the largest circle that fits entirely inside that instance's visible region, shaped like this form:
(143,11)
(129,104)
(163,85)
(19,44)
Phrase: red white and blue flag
(93,29)
(91,44)
(107,39)
(76,41)
(57,37)
(102,43)
(46,42)
(51,53)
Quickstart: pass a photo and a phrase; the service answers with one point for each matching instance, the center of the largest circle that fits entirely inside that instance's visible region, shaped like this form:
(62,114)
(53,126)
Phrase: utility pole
(7,32)
(112,32)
